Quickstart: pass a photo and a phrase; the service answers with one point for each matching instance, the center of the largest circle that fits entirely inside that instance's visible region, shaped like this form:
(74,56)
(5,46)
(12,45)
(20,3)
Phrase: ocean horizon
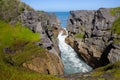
(63,17)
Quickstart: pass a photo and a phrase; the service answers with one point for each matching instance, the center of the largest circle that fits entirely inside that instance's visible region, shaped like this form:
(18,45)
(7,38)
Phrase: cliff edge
(95,36)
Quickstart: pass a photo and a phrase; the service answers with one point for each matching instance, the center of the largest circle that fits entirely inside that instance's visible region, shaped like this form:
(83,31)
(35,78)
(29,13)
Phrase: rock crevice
(90,34)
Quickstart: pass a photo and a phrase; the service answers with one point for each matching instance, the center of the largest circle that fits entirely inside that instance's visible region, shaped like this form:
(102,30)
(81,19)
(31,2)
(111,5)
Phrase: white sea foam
(72,63)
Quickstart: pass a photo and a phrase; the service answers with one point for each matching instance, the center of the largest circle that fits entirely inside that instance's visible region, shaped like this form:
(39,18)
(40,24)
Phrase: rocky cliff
(93,35)
(109,72)
(47,25)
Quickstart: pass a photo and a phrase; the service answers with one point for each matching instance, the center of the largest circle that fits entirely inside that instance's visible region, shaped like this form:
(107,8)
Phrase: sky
(67,5)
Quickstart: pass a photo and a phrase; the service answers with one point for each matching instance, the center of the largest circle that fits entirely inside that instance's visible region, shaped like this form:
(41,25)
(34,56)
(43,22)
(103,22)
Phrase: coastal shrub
(115,11)
(79,35)
(116,26)
(11,9)
(116,30)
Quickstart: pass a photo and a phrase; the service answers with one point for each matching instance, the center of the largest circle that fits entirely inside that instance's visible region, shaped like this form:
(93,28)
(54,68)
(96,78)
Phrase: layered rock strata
(90,34)
(47,25)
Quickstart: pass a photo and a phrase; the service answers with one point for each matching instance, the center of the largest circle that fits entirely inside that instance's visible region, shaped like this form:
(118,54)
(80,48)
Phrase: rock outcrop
(90,34)
(49,65)
(47,25)
(109,72)
(43,23)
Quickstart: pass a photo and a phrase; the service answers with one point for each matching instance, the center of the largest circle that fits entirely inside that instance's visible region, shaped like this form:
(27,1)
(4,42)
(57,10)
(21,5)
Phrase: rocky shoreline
(47,25)
(90,34)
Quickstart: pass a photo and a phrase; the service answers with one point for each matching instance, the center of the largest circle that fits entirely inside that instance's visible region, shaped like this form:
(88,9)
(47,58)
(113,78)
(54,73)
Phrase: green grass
(23,53)
(100,79)
(112,69)
(10,34)
(116,26)
(116,30)
(79,35)
(115,11)
(8,72)
(21,43)
(10,9)
(116,41)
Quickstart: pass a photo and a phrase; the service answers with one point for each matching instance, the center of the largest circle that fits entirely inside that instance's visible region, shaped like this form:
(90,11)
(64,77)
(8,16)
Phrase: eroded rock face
(97,41)
(49,65)
(114,54)
(48,26)
(42,23)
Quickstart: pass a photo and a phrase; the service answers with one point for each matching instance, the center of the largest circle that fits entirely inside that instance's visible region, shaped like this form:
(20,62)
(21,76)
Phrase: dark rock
(7,50)
(96,27)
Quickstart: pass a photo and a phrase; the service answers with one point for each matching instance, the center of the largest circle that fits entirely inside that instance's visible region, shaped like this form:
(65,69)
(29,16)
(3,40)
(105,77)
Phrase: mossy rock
(79,35)
(20,44)
(112,71)
(10,9)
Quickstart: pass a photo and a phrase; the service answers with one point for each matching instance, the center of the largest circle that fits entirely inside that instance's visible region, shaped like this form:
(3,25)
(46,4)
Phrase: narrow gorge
(37,45)
(93,35)
(72,62)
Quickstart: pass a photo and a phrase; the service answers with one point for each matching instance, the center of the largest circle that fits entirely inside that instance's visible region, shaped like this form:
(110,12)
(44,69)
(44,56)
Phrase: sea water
(63,16)
(72,63)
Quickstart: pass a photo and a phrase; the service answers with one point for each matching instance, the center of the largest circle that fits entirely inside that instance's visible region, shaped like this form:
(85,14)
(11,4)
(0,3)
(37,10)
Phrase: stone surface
(50,65)
(42,23)
(97,42)
(47,26)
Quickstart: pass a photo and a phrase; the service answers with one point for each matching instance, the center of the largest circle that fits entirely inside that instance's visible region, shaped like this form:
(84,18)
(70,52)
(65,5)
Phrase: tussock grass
(20,42)
(115,11)
(11,34)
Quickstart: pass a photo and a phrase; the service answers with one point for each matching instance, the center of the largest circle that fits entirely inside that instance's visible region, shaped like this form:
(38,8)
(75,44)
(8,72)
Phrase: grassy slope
(115,11)
(109,72)
(116,25)
(10,9)
(20,44)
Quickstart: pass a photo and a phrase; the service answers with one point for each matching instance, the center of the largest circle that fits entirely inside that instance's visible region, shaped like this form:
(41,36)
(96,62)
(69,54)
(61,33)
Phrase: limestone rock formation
(42,23)
(49,65)
(89,33)
(47,25)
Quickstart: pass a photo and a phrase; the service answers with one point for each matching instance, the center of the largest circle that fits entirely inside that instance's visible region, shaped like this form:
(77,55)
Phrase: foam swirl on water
(72,63)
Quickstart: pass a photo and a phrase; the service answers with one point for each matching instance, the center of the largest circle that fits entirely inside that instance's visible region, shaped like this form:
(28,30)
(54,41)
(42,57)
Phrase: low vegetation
(13,10)
(115,11)
(11,34)
(109,72)
(116,26)
(116,30)
(17,45)
(79,35)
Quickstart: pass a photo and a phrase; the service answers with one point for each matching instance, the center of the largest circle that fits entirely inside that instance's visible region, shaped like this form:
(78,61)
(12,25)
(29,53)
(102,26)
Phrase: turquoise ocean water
(63,16)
